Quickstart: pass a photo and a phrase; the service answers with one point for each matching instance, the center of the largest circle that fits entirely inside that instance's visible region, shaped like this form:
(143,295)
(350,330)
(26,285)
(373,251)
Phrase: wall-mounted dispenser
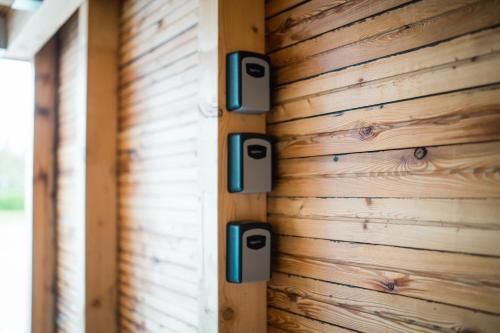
(248,82)
(250,166)
(248,252)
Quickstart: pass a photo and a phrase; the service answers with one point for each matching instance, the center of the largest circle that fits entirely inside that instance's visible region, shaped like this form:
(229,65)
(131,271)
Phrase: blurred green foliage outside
(11,180)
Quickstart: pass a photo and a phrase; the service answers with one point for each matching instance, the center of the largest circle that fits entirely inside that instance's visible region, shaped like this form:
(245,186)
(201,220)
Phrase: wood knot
(390,285)
(44,77)
(420,153)
(366,132)
(292,297)
(255,29)
(42,176)
(42,111)
(288,23)
(336,158)
(96,303)
(228,314)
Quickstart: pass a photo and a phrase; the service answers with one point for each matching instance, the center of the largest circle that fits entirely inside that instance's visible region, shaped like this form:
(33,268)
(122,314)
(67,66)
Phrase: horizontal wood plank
(438,120)
(149,16)
(294,16)
(474,213)
(390,232)
(443,159)
(392,281)
(180,317)
(163,56)
(385,207)
(456,185)
(388,21)
(156,35)
(468,269)
(283,320)
(274,7)
(164,268)
(441,79)
(483,42)
(293,32)
(363,309)
(407,36)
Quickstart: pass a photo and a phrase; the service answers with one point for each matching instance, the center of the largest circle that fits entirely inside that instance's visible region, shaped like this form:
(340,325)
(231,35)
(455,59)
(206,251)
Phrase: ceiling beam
(27,32)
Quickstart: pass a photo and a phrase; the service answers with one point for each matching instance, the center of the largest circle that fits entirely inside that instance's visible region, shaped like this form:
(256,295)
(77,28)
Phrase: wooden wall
(387,204)
(70,223)
(85,168)
(159,165)
(242,307)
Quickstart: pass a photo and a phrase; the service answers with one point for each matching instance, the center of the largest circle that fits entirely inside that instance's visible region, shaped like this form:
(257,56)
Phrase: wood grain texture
(421,160)
(440,120)
(363,309)
(451,266)
(408,36)
(70,291)
(242,308)
(167,160)
(179,20)
(295,15)
(44,193)
(465,47)
(284,320)
(391,281)
(100,166)
(314,18)
(390,232)
(456,185)
(274,7)
(482,213)
(464,74)
(385,206)
(364,29)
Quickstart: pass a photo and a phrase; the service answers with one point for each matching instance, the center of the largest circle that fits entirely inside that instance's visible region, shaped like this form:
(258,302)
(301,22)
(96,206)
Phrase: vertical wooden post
(207,147)
(242,308)
(100,166)
(44,169)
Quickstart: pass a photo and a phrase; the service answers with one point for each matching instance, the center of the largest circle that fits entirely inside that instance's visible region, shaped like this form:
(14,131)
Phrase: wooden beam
(208,44)
(44,169)
(27,32)
(101,21)
(242,307)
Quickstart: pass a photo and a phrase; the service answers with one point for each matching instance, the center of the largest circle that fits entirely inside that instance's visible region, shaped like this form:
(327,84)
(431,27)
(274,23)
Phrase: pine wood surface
(385,209)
